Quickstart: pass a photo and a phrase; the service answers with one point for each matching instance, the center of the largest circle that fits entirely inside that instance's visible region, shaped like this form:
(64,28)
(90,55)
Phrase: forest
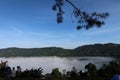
(107,50)
(106,72)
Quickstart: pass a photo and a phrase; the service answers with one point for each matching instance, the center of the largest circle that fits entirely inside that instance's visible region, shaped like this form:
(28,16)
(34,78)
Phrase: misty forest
(59,40)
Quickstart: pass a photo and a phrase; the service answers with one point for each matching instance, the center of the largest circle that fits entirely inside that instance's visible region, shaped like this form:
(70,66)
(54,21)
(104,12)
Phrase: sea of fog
(48,63)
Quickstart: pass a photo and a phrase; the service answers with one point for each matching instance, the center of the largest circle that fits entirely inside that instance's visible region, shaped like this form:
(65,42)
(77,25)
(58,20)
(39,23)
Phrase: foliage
(56,73)
(104,73)
(33,73)
(91,69)
(109,49)
(83,18)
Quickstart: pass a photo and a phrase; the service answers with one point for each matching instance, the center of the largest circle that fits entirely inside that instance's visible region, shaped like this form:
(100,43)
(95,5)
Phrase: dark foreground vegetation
(106,72)
(110,49)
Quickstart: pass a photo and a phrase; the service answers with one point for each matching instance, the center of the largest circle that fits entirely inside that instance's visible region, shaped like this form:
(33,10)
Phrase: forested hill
(109,49)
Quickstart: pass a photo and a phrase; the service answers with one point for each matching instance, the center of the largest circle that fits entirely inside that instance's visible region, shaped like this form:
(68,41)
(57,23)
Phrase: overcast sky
(32,23)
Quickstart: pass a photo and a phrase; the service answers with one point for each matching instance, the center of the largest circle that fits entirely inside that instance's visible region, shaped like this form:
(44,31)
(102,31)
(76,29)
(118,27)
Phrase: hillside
(109,49)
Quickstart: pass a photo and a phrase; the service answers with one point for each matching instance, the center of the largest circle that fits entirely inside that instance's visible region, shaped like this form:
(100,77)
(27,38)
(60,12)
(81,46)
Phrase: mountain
(48,51)
(109,49)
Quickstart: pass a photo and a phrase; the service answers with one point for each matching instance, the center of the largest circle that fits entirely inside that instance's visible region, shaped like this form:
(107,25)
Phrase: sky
(32,24)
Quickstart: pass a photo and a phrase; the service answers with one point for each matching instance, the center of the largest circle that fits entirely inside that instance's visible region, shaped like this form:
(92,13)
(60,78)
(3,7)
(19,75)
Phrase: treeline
(109,49)
(106,72)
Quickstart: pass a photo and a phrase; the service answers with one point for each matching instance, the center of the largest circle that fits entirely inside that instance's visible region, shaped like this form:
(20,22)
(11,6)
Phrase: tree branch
(72,5)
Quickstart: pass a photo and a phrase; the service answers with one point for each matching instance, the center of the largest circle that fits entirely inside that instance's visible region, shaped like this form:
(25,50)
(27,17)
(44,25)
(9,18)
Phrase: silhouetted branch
(72,5)
(83,18)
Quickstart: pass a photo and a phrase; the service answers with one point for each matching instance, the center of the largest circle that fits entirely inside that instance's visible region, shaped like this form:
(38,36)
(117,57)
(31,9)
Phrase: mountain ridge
(108,49)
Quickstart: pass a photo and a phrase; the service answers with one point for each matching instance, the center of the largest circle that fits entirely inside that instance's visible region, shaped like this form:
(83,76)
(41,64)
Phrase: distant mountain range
(109,49)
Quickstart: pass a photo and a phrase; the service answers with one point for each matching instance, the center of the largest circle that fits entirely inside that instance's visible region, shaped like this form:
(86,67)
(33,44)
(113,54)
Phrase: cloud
(17,30)
(11,31)
(102,31)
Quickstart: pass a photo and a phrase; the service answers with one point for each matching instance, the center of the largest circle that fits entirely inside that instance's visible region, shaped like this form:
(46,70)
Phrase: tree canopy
(84,19)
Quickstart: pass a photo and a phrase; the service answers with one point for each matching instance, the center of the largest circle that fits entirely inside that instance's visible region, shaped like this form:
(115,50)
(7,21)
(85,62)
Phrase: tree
(84,19)
(73,74)
(91,69)
(56,72)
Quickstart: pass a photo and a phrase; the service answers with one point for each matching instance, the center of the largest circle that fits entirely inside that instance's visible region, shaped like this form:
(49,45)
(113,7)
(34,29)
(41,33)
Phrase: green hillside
(109,49)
